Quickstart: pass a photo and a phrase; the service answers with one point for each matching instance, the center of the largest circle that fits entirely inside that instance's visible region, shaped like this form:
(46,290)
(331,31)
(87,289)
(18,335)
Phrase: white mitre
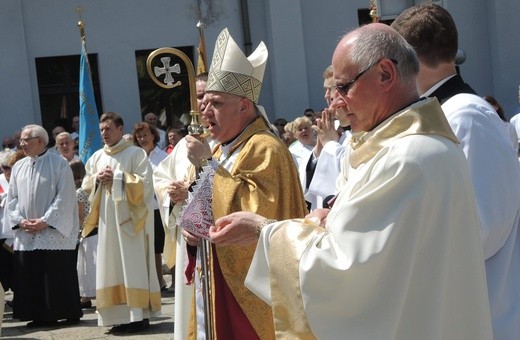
(231,72)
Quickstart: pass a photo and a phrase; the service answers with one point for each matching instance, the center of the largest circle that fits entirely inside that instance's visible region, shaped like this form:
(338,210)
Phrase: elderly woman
(65,146)
(305,159)
(306,139)
(147,137)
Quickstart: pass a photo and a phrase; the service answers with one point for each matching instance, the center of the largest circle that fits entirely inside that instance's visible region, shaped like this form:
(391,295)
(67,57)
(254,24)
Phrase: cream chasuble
(400,256)
(127,286)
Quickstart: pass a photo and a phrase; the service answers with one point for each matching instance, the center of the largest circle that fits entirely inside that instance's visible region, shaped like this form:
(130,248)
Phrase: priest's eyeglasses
(343,88)
(26,140)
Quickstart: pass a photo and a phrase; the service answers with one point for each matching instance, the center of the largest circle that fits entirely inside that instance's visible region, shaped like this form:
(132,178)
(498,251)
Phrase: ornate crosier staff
(195,129)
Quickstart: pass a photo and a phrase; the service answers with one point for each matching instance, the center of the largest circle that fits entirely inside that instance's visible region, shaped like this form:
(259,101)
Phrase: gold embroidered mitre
(231,72)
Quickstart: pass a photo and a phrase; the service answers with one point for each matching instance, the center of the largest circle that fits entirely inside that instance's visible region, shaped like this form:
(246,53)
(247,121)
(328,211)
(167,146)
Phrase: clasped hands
(105,175)
(33,225)
(178,191)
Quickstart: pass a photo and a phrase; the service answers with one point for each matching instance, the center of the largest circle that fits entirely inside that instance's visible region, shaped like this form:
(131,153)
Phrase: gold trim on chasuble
(424,117)
(235,261)
(132,297)
(134,191)
(287,245)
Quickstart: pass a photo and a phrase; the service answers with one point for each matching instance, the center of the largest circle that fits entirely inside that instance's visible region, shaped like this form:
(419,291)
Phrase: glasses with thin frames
(343,88)
(26,140)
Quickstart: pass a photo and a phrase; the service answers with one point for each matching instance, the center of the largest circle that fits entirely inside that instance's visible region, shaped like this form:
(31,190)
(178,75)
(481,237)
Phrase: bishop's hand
(198,150)
(239,228)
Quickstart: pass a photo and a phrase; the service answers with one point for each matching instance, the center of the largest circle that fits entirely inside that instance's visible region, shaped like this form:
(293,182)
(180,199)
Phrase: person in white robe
(331,152)
(398,256)
(41,210)
(147,137)
(171,179)
(331,146)
(119,180)
(493,164)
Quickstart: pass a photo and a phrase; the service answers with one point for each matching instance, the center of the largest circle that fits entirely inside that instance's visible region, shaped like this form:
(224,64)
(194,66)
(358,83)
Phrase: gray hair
(63,135)
(4,156)
(372,45)
(37,131)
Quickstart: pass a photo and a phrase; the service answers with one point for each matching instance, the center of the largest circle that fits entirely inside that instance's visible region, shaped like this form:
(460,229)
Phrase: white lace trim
(197,214)
(47,239)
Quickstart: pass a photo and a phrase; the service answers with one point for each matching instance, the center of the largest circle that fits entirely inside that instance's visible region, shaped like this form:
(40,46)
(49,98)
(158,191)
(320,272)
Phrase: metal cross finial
(167,70)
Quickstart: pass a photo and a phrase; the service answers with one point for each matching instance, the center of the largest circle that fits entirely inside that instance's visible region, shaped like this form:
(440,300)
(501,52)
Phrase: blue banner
(89,135)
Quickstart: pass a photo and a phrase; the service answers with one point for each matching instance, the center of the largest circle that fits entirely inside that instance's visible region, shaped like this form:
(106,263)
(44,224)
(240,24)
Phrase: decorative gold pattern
(422,118)
(263,180)
(132,297)
(288,309)
(134,192)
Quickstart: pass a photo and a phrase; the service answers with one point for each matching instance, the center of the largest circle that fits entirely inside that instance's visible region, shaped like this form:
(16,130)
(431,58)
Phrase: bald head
(370,43)
(374,72)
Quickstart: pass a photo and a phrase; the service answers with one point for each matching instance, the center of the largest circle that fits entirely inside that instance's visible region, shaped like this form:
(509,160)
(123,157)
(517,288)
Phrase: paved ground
(160,328)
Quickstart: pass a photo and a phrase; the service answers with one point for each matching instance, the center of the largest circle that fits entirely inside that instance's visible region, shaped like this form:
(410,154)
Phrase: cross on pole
(167,70)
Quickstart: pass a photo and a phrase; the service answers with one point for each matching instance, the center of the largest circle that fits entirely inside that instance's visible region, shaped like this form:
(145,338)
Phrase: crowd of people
(54,226)
(391,214)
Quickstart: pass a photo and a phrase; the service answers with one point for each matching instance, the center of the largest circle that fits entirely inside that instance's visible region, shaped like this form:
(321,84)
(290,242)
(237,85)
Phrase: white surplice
(496,181)
(328,168)
(399,258)
(43,187)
